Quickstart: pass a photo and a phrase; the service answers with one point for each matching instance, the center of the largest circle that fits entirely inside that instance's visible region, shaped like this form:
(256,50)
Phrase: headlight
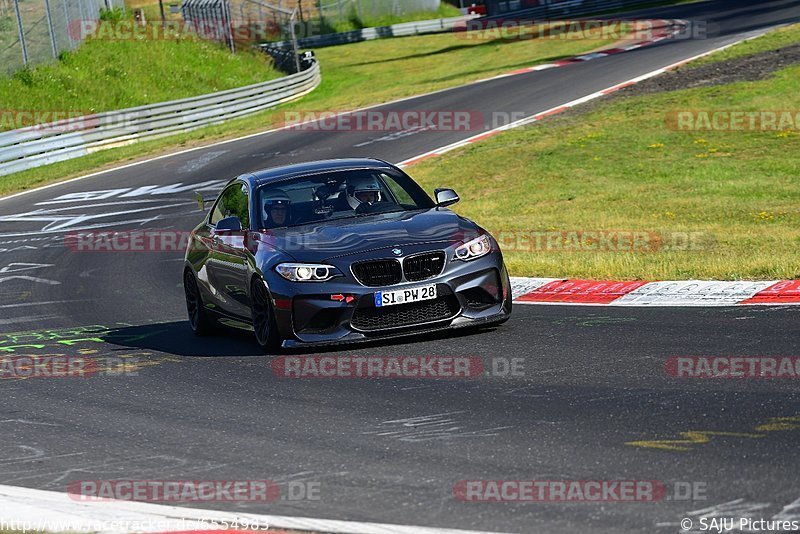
(476,248)
(307,272)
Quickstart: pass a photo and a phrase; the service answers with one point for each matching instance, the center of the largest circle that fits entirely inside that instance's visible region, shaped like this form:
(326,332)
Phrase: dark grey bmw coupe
(340,251)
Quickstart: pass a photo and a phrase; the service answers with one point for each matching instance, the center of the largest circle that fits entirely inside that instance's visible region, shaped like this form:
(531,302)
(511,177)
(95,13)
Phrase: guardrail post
(21,33)
(51,30)
(295,51)
(67,22)
(27,148)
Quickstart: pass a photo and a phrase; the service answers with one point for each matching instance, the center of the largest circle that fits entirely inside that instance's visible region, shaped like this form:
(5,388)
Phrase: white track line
(57,512)
(562,107)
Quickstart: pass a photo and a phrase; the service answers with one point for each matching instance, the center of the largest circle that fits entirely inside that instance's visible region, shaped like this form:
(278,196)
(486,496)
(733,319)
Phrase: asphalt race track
(591,379)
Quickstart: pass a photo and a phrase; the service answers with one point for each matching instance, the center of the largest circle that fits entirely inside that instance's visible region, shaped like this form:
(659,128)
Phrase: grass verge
(619,168)
(354,75)
(353,22)
(104,75)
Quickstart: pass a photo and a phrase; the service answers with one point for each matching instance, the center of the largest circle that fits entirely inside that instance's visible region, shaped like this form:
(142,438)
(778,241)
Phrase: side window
(401,195)
(233,202)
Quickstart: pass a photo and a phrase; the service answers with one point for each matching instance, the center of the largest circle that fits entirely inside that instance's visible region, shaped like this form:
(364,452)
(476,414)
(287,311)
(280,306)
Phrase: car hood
(335,238)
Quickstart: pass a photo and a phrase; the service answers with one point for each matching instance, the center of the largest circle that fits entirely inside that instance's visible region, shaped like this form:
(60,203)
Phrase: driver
(276,209)
(363,190)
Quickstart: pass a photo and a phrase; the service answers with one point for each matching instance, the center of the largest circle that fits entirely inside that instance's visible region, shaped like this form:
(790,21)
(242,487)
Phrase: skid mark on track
(437,427)
(25,422)
(144,466)
(195,164)
(592,321)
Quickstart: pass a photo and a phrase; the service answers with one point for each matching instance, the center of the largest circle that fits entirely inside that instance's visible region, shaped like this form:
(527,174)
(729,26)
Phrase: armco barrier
(43,144)
(367,34)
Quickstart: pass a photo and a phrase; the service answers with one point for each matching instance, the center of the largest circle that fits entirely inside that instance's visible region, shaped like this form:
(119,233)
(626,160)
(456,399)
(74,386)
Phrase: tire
(199,321)
(264,324)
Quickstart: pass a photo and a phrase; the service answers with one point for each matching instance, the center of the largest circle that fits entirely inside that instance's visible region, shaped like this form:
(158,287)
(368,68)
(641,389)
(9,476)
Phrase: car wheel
(264,325)
(198,317)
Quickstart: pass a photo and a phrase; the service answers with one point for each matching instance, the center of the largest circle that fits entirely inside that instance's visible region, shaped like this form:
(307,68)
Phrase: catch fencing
(33,31)
(344,10)
(366,34)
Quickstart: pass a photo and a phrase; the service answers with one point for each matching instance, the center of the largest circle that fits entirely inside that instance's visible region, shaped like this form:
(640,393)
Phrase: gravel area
(744,69)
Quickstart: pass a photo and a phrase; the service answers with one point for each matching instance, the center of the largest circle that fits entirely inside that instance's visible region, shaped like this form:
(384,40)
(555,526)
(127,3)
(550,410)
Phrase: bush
(115,14)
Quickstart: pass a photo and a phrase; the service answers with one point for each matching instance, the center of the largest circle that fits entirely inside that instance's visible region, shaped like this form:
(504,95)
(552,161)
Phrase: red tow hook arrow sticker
(339,298)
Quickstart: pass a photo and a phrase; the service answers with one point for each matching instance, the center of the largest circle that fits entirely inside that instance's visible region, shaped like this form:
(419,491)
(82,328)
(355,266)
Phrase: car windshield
(338,195)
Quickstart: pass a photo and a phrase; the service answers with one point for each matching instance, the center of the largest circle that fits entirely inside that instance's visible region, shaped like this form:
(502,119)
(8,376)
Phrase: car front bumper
(343,311)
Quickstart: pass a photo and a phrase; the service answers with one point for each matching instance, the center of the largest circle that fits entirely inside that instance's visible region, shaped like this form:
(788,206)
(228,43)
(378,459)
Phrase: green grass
(353,22)
(104,75)
(620,168)
(354,75)
(363,73)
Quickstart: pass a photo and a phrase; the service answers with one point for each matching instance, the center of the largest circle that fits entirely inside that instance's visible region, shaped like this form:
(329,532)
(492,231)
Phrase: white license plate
(404,296)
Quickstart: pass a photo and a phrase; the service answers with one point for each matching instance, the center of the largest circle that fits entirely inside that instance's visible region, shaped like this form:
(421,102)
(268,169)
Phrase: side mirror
(228,225)
(445,197)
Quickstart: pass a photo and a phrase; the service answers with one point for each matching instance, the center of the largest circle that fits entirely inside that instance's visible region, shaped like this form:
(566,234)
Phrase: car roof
(274,174)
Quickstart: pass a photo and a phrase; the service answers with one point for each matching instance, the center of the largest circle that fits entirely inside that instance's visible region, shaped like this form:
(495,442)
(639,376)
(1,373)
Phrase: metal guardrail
(366,34)
(43,144)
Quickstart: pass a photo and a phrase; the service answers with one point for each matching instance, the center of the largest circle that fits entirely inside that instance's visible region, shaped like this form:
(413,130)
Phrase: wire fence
(33,31)
(343,10)
(243,23)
